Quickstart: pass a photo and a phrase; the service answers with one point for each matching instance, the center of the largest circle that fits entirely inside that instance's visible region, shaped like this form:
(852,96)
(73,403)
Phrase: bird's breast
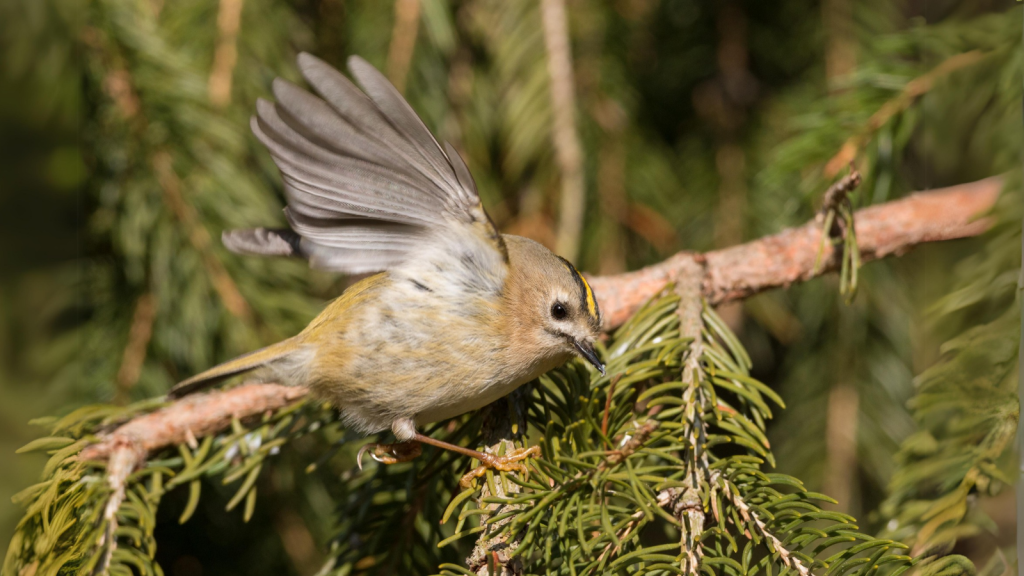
(408,351)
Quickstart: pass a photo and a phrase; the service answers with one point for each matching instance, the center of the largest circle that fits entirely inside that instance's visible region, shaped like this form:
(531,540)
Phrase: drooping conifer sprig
(837,226)
(966,406)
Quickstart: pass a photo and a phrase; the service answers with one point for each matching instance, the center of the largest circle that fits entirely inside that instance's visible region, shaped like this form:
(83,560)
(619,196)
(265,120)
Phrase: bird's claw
(390,453)
(508,463)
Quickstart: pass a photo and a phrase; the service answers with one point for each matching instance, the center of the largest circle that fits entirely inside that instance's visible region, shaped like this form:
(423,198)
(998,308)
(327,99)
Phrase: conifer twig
(837,222)
(629,445)
(838,192)
(732,274)
(695,399)
(788,257)
(135,351)
(911,92)
(194,416)
(686,506)
(504,424)
(787,557)
(124,458)
(621,536)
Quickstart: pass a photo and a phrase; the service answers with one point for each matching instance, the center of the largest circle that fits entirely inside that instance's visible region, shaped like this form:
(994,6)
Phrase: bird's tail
(243,363)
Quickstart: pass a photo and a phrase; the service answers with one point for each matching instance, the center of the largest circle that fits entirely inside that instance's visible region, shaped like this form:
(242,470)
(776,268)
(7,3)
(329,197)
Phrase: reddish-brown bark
(789,256)
(730,274)
(194,417)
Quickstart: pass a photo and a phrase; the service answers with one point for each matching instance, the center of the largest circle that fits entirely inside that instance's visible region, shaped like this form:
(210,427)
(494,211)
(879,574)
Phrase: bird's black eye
(558,311)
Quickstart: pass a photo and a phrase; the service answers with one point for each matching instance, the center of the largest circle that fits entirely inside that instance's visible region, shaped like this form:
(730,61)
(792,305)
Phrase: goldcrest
(460,315)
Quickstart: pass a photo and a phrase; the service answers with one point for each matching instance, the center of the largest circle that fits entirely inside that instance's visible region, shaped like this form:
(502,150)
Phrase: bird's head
(553,310)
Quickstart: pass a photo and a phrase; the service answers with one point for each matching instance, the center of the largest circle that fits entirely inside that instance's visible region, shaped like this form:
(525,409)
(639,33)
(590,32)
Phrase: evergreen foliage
(667,464)
(675,445)
(65,529)
(966,405)
(970,110)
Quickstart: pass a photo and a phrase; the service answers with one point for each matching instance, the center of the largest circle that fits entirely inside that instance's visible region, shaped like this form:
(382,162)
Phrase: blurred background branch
(229,19)
(403,41)
(566,141)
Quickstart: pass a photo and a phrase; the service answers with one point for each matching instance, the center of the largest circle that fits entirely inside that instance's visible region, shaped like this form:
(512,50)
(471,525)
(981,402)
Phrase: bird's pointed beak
(586,350)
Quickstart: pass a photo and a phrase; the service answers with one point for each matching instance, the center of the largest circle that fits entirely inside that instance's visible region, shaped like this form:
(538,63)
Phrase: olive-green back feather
(243,363)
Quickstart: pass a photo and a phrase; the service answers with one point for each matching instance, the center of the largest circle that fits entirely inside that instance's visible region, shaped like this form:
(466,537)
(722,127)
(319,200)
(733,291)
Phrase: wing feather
(405,121)
(315,177)
(370,121)
(263,242)
(368,187)
(461,170)
(319,124)
(353,234)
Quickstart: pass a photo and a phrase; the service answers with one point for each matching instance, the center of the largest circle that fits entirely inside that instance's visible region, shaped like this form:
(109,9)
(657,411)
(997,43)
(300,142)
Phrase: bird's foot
(509,463)
(390,453)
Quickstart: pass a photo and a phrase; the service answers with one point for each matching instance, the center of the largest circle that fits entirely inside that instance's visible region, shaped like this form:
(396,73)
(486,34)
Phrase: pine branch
(90,517)
(193,417)
(777,545)
(911,92)
(788,257)
(702,415)
(504,423)
(135,351)
(838,193)
(699,474)
(125,457)
(732,274)
(589,504)
(837,225)
(686,506)
(966,406)
(663,429)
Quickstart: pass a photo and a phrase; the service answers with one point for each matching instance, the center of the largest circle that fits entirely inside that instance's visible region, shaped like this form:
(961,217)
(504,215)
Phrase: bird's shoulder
(463,260)
(456,272)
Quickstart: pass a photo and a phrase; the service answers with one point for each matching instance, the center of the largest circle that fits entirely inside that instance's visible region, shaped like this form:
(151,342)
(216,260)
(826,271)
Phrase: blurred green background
(125,150)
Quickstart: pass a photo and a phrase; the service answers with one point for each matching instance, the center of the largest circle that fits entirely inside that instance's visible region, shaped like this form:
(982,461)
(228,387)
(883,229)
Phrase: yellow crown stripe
(591,302)
(588,292)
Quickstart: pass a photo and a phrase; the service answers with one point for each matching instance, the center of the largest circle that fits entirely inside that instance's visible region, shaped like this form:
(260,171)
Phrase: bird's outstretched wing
(368,186)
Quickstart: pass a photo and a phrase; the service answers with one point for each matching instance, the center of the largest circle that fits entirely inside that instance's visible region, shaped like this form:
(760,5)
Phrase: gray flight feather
(263,242)
(366,182)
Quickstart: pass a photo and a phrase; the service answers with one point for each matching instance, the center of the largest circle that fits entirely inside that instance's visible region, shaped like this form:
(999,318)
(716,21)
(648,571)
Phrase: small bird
(458,316)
